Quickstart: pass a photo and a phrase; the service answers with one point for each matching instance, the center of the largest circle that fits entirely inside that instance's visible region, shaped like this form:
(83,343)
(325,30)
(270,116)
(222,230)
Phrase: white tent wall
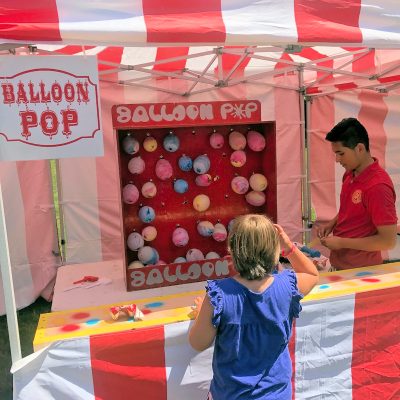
(30,220)
(380,114)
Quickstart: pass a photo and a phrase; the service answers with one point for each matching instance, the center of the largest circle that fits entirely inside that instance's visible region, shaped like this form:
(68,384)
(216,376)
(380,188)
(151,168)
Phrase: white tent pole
(8,287)
(305,201)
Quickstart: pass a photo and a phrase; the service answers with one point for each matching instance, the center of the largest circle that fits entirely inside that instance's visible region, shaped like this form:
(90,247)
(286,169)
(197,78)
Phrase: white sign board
(49,107)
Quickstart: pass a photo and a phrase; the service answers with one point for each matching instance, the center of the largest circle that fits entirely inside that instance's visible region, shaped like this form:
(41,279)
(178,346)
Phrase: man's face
(348,158)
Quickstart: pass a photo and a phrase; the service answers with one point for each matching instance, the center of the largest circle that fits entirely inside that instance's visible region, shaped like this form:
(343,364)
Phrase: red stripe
(364,64)
(112,54)
(129,365)
(180,21)
(328,21)
(346,86)
(387,79)
(230,60)
(312,54)
(164,53)
(29,20)
(376,345)
(279,65)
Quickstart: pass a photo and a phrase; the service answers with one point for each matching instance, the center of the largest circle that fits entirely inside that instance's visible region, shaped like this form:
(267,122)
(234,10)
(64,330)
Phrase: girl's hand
(285,242)
(196,307)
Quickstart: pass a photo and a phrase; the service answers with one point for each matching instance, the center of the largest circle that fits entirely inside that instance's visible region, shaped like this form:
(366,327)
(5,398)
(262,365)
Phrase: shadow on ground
(27,320)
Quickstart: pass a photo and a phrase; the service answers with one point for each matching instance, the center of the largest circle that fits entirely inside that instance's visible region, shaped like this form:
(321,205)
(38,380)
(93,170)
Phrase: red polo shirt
(366,201)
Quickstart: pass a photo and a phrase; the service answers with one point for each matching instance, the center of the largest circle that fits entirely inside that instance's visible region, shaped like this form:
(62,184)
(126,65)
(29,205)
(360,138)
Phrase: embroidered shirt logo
(356,197)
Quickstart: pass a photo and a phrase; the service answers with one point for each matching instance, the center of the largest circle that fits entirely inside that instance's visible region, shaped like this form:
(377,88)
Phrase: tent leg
(305,186)
(8,286)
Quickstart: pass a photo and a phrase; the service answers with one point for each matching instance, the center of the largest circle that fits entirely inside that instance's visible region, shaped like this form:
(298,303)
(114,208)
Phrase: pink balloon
(255,198)
(258,182)
(149,190)
(216,140)
(219,233)
(163,169)
(237,140)
(240,184)
(180,237)
(256,141)
(136,165)
(238,158)
(130,194)
(203,180)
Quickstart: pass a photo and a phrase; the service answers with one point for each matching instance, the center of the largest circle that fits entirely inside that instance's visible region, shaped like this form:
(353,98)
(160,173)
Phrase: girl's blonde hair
(254,246)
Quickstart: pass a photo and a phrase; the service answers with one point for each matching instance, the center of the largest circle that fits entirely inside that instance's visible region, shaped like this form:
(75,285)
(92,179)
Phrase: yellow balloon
(201,202)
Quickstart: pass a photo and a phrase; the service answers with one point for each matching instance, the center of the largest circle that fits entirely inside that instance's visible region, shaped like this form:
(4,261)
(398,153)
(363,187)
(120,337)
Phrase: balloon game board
(182,184)
(174,308)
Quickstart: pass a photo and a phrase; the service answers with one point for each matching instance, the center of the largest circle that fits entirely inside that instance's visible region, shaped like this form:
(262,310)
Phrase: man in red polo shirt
(366,223)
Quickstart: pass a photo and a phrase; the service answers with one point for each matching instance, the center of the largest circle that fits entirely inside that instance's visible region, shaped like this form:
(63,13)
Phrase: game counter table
(86,311)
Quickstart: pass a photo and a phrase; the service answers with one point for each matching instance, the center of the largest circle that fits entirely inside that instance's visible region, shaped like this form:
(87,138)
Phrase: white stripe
(15,220)
(324,346)
(200,63)
(392,161)
(87,22)
(380,22)
(346,105)
(62,371)
(135,56)
(188,372)
(262,21)
(79,201)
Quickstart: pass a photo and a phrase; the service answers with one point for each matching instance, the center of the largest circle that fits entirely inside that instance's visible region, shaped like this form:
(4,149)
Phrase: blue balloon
(171,143)
(185,163)
(130,145)
(201,164)
(146,214)
(181,186)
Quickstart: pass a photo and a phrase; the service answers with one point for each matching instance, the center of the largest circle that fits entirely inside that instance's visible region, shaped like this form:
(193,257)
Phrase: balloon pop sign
(49,103)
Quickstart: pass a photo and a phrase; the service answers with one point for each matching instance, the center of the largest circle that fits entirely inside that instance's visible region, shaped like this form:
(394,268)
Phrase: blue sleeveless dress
(251,357)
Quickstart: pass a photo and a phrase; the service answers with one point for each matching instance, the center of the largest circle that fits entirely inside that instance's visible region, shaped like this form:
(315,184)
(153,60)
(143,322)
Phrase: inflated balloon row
(237,141)
(148,255)
(201,165)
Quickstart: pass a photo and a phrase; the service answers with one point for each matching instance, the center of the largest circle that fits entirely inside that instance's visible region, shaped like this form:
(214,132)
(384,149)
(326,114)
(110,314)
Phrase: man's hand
(332,242)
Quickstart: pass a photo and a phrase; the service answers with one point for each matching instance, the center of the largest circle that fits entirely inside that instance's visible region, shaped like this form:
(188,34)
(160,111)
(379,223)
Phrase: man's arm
(384,239)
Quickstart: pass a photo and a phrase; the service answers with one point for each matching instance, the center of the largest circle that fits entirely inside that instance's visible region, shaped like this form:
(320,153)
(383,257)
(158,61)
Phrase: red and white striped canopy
(217,43)
(372,23)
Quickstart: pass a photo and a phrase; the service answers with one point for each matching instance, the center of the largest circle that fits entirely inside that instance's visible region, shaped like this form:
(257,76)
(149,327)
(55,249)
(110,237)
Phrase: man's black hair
(349,132)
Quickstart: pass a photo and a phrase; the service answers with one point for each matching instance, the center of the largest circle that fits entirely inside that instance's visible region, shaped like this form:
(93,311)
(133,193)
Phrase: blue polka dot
(154,305)
(364,273)
(93,321)
(324,286)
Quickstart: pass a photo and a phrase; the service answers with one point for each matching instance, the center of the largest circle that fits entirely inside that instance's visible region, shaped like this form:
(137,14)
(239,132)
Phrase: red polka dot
(70,328)
(370,279)
(335,278)
(80,315)
(145,311)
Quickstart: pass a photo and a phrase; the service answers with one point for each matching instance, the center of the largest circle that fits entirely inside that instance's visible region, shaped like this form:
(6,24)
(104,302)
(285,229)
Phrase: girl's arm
(202,333)
(306,272)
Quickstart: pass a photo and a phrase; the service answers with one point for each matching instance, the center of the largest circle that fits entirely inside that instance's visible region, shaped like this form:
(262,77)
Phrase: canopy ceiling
(329,45)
